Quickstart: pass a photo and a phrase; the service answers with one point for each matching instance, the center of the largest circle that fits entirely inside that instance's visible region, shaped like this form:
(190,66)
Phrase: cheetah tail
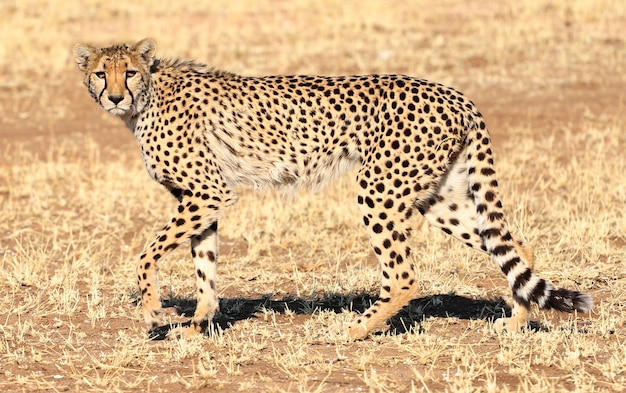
(526,286)
(568,301)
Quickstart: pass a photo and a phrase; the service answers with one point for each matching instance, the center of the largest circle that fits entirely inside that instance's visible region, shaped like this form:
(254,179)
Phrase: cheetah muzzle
(419,147)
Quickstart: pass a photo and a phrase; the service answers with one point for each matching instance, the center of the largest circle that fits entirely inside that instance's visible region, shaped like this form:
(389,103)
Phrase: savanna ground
(76,205)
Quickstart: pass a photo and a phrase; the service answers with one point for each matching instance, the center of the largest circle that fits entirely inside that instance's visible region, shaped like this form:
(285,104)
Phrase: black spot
(495,216)
(487,171)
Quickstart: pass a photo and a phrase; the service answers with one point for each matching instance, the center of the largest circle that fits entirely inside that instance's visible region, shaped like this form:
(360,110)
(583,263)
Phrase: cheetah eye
(100,74)
(130,74)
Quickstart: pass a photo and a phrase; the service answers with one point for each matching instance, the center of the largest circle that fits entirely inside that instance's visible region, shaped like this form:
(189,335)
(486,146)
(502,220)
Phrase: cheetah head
(118,77)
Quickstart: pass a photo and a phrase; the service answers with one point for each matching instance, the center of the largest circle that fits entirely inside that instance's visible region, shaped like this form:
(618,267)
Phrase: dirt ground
(269,331)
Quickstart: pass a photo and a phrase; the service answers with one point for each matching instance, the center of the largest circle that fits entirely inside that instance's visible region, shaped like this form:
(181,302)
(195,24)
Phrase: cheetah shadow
(409,319)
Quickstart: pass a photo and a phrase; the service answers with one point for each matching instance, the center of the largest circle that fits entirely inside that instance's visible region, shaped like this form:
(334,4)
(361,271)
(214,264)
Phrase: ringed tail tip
(569,301)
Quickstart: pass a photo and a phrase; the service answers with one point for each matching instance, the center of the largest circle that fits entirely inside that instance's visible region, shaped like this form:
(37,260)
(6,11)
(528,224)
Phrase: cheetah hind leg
(204,253)
(388,226)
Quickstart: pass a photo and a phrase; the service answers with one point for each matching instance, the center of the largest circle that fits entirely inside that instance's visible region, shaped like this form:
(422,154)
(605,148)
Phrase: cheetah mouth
(117,111)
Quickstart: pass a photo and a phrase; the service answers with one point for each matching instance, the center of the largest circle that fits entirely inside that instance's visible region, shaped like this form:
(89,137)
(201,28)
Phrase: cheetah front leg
(195,216)
(204,249)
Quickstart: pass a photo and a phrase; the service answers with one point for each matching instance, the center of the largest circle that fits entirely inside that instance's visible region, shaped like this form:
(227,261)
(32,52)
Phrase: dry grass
(76,206)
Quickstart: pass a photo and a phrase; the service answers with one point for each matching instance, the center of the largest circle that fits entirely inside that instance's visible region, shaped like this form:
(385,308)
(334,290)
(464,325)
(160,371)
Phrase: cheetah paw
(181,332)
(358,331)
(189,329)
(511,325)
(154,318)
(352,332)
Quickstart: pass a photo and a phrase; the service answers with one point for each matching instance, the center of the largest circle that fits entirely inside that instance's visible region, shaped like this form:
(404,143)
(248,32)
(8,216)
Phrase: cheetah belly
(288,166)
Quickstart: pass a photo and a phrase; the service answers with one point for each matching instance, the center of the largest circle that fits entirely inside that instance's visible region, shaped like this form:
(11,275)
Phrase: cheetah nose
(116,99)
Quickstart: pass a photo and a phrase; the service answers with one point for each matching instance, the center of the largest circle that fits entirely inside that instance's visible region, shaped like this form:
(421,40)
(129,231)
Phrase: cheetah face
(118,78)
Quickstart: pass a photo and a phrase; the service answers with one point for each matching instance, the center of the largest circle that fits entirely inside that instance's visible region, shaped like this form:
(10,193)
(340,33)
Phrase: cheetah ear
(146,49)
(82,54)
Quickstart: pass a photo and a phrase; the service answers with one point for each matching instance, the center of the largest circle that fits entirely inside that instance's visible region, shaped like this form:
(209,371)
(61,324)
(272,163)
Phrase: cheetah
(419,146)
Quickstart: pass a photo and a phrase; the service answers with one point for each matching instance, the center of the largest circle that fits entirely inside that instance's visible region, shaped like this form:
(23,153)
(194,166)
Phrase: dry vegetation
(76,205)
